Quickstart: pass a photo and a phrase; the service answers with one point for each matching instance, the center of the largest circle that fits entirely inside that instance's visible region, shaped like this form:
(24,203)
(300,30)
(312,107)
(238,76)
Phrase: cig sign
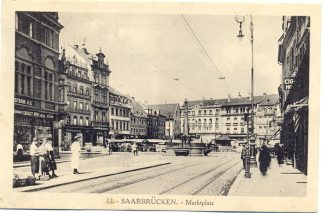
(288,83)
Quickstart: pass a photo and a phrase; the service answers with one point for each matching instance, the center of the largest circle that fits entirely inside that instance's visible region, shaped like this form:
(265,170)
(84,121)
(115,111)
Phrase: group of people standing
(264,157)
(42,158)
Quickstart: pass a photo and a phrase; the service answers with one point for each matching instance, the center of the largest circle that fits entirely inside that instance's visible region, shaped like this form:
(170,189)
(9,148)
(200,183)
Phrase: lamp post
(251,142)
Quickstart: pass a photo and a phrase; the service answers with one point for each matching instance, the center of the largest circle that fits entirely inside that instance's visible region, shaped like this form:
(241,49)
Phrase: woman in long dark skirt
(264,159)
(280,155)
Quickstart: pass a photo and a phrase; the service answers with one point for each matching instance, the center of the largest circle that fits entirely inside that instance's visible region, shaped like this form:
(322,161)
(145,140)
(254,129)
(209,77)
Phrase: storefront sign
(24,101)
(288,83)
(34,114)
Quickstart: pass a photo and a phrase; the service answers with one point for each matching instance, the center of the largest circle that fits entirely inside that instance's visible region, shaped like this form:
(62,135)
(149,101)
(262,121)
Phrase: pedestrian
(34,158)
(20,152)
(244,155)
(50,152)
(134,148)
(44,159)
(264,159)
(75,157)
(280,154)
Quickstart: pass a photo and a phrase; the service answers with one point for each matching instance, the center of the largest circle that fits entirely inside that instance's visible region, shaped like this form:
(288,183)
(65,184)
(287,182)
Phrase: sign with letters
(288,83)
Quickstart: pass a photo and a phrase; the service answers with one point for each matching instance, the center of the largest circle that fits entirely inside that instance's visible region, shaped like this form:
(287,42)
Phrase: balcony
(78,95)
(80,111)
(100,104)
(103,124)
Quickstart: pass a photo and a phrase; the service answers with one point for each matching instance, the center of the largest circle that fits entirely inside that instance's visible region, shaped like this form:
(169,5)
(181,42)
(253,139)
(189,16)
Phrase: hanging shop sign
(24,101)
(288,83)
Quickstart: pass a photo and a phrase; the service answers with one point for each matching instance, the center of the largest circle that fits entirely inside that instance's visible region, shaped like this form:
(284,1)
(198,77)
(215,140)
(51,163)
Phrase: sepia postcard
(159,106)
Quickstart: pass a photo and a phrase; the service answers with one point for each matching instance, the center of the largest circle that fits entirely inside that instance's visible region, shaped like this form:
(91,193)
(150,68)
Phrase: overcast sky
(146,53)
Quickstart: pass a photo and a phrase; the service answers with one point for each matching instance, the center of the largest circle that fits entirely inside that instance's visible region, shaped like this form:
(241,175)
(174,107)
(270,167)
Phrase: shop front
(70,131)
(30,124)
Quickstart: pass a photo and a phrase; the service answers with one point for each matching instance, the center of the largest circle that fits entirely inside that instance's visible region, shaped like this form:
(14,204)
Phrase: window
(199,112)
(242,130)
(235,129)
(103,116)
(112,111)
(81,121)
(81,105)
(75,105)
(210,120)
(68,120)
(235,119)
(49,37)
(87,106)
(87,92)
(87,121)
(96,115)
(75,120)
(31,29)
(228,118)
(81,90)
(210,112)
(205,112)
(69,103)
(75,90)
(116,112)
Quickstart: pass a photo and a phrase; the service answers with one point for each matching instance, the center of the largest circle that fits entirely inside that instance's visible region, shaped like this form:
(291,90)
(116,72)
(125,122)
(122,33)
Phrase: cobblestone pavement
(184,176)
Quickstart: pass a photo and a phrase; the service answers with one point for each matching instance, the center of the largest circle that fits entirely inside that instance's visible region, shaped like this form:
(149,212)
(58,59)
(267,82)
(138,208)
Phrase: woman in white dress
(75,157)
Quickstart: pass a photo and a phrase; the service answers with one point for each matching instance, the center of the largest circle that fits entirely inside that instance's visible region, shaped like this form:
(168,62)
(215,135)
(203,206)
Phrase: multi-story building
(84,88)
(294,89)
(36,77)
(155,124)
(119,115)
(266,120)
(76,90)
(204,118)
(100,97)
(138,119)
(215,117)
(172,120)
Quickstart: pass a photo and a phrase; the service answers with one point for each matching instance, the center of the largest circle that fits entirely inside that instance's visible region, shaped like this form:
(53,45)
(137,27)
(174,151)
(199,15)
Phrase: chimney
(264,94)
(228,98)
(239,95)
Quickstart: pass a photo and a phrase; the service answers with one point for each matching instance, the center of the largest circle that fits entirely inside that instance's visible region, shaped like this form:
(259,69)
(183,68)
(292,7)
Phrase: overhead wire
(202,48)
(120,43)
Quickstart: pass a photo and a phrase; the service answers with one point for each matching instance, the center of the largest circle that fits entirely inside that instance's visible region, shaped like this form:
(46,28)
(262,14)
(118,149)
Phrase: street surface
(205,175)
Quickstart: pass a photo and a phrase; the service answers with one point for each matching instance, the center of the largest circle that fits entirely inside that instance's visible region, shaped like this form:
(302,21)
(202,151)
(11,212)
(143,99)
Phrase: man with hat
(34,157)
(75,157)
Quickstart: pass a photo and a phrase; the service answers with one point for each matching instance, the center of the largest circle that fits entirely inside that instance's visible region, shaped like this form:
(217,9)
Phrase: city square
(157,105)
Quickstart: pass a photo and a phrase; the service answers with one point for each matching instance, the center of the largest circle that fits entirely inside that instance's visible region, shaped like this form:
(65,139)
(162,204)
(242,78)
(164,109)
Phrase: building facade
(216,117)
(294,89)
(84,90)
(172,120)
(138,119)
(119,115)
(155,124)
(36,102)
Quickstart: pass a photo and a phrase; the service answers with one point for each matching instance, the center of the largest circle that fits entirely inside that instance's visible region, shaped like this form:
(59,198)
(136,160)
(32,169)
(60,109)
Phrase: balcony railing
(100,124)
(100,104)
(81,111)
(79,95)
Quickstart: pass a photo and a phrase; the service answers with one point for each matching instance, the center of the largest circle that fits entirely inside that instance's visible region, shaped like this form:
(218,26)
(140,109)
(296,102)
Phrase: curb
(236,183)
(96,177)
(26,165)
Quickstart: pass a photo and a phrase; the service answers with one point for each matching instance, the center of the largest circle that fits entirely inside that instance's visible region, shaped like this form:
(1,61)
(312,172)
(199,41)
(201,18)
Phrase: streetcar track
(139,180)
(213,179)
(195,177)
(119,179)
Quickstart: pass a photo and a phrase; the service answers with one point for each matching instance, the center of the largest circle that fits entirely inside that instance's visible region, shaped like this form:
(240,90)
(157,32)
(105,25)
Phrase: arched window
(81,90)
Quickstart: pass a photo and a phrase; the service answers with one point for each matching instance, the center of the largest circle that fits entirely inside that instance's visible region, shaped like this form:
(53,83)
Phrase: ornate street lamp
(251,143)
